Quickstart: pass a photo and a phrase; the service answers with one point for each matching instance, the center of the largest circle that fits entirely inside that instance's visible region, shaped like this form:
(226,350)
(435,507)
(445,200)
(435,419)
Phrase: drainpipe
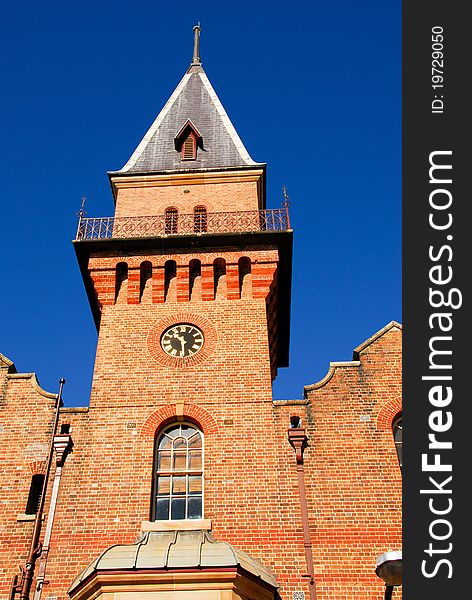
(62,446)
(24,586)
(298,439)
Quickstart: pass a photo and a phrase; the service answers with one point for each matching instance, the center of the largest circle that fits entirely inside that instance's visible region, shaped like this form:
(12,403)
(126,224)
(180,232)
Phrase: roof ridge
(374,337)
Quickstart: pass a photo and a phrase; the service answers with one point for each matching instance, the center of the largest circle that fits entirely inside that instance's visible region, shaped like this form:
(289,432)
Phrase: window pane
(164,443)
(163,461)
(180,461)
(194,508)
(397,431)
(399,452)
(178,508)
(180,443)
(187,431)
(162,509)
(178,485)
(163,486)
(195,460)
(195,484)
(195,441)
(173,432)
(397,435)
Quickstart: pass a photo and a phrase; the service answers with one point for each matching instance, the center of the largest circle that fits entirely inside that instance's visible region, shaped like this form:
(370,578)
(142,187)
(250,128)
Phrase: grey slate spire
(196,101)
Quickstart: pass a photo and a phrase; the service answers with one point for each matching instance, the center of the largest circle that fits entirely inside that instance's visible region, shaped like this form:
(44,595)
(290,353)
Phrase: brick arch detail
(168,414)
(37,467)
(388,412)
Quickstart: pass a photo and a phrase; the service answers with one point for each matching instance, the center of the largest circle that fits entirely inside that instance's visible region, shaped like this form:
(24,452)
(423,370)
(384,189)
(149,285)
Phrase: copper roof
(167,550)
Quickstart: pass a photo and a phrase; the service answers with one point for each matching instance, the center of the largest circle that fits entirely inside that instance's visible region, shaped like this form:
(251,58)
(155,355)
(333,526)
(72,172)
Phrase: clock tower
(189,285)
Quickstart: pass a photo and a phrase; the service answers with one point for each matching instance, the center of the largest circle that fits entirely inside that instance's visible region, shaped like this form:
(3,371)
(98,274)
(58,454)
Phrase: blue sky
(314,91)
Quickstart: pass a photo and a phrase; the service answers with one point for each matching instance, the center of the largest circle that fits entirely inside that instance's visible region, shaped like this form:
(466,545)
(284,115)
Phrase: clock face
(182,340)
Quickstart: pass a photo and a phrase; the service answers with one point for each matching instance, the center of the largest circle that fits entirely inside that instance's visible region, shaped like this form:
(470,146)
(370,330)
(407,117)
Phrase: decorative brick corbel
(298,440)
(62,446)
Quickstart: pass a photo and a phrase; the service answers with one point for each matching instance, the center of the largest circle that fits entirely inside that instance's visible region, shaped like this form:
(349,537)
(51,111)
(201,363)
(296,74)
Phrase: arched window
(178,474)
(199,219)
(397,428)
(171,217)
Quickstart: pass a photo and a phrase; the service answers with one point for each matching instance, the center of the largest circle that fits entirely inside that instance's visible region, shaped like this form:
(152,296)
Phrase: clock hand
(182,341)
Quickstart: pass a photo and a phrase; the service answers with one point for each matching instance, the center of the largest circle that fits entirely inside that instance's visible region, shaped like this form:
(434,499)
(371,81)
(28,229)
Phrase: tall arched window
(397,428)
(171,217)
(178,474)
(199,219)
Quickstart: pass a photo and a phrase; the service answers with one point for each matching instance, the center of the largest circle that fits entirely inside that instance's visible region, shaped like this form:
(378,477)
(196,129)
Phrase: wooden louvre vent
(189,148)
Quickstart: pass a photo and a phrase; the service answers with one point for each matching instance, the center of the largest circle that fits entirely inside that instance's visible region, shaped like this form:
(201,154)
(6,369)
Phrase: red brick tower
(189,285)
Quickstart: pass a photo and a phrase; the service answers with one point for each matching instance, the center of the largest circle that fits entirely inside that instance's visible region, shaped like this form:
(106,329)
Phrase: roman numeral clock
(182,340)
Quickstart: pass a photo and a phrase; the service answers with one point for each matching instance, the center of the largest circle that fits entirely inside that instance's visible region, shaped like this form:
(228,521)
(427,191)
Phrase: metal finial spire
(286,196)
(82,212)
(196,45)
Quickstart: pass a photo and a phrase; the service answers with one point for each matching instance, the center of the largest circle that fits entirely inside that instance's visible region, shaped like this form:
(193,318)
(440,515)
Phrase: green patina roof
(167,550)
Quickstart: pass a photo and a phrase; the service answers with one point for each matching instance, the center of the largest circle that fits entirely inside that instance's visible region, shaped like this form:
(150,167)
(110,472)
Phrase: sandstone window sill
(183,525)
(25,517)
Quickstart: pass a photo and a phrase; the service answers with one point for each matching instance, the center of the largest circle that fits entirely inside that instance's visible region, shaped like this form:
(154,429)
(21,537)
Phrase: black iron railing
(182,224)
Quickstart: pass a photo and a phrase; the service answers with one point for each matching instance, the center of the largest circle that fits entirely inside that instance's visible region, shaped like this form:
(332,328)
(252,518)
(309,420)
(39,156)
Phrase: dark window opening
(65,429)
(34,497)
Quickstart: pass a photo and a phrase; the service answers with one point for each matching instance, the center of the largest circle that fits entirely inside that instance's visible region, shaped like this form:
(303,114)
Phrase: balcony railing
(183,224)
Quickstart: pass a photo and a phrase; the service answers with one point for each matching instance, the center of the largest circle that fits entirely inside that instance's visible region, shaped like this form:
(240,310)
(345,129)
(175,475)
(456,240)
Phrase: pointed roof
(194,100)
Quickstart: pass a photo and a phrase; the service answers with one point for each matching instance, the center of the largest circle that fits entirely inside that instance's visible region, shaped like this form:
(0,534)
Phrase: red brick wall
(184,195)
(26,416)
(354,477)
(251,493)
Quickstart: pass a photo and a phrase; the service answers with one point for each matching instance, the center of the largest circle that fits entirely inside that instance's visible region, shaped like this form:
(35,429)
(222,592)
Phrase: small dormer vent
(188,140)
